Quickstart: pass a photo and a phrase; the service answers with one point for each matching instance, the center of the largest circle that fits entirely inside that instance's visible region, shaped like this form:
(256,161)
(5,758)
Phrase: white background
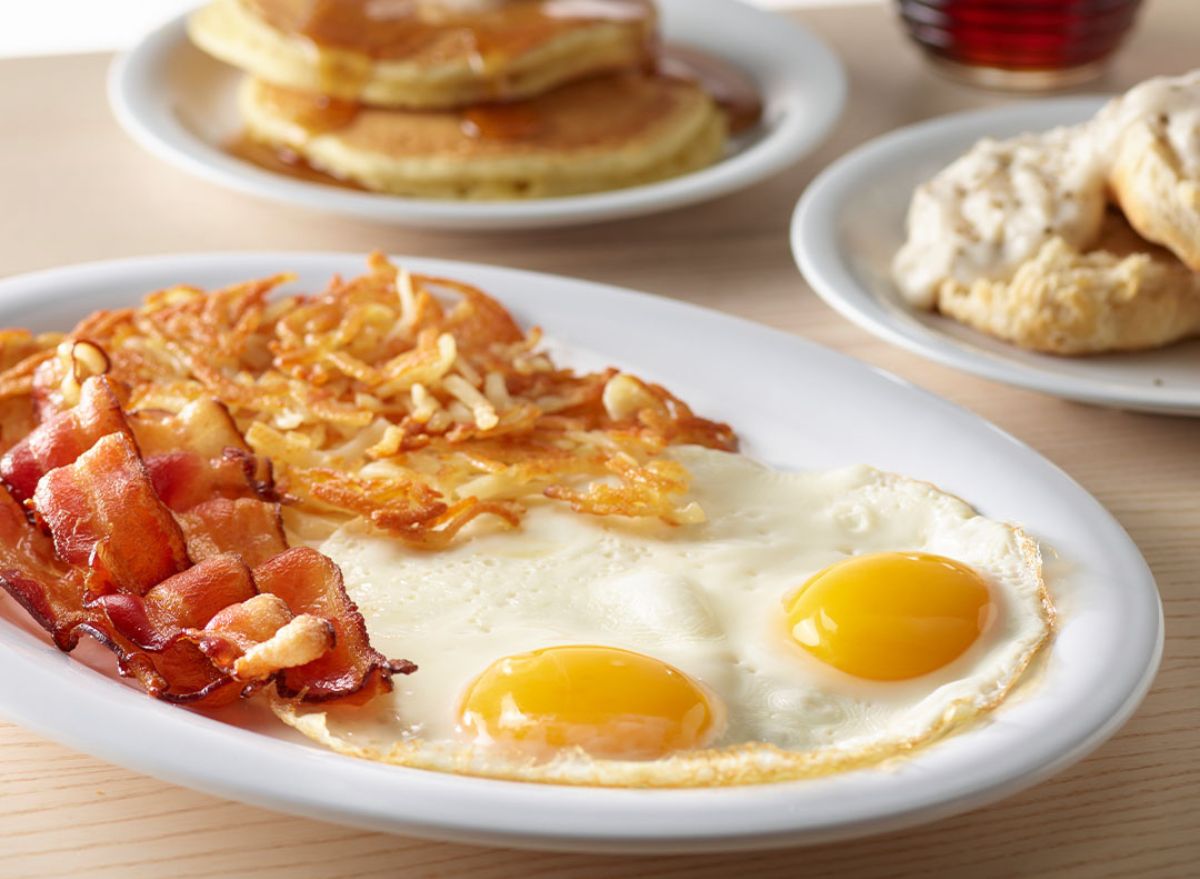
(44,27)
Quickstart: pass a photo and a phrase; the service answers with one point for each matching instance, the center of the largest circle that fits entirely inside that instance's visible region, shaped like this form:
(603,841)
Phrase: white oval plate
(851,220)
(853,414)
(180,105)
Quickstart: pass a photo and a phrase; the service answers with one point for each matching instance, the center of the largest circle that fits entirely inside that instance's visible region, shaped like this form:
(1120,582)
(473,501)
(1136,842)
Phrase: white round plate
(180,105)
(853,414)
(850,222)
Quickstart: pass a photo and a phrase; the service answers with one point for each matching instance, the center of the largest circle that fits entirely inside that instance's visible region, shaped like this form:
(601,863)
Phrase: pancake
(598,134)
(426,54)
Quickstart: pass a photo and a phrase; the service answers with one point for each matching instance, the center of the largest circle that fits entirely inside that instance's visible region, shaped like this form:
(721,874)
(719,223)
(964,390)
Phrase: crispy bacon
(184,478)
(257,637)
(17,420)
(187,600)
(198,454)
(191,679)
(33,576)
(62,438)
(157,622)
(251,528)
(105,517)
(153,555)
(209,629)
(107,520)
(353,670)
(52,593)
(203,426)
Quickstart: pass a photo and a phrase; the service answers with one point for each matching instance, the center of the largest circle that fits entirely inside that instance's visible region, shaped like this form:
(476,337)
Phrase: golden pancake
(597,134)
(426,54)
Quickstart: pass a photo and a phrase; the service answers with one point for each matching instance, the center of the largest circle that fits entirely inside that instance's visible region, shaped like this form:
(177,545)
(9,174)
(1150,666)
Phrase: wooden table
(73,188)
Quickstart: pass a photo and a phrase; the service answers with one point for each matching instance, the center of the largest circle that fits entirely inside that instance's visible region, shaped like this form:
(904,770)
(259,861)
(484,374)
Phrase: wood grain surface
(74,188)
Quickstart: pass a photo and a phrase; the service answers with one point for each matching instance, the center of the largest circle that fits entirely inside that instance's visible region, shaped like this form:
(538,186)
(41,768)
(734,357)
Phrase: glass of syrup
(1026,45)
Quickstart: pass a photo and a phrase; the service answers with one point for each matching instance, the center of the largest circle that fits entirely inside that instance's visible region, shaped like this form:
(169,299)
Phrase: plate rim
(824,264)
(40,666)
(795,136)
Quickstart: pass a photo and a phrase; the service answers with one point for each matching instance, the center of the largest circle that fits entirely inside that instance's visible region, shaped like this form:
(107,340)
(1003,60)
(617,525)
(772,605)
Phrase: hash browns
(412,401)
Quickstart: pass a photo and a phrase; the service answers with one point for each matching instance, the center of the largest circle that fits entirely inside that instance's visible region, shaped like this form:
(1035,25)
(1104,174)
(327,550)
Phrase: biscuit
(1124,295)
(1152,134)
(504,52)
(593,135)
(1149,183)
(995,206)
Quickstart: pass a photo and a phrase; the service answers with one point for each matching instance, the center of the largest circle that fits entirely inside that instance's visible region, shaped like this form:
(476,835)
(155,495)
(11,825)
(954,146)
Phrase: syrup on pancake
(492,34)
(401,29)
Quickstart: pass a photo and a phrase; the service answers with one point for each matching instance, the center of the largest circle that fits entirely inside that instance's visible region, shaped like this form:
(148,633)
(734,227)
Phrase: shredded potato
(415,402)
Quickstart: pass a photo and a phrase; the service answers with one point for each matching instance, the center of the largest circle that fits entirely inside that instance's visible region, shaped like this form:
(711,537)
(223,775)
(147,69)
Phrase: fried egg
(812,622)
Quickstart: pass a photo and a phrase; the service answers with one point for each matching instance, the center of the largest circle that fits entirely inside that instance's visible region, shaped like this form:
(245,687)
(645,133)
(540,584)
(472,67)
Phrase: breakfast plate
(1077,696)
(850,222)
(179,104)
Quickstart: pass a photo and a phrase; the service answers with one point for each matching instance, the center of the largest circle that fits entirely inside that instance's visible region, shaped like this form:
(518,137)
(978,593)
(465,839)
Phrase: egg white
(707,598)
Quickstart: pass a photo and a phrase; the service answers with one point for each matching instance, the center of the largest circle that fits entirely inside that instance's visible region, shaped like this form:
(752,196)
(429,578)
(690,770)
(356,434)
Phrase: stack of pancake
(468,99)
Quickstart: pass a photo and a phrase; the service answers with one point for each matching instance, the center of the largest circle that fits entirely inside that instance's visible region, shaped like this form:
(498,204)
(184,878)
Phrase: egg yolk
(890,616)
(612,703)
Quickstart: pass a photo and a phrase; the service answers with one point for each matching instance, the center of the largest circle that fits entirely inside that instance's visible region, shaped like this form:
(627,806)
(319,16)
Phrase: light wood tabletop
(74,188)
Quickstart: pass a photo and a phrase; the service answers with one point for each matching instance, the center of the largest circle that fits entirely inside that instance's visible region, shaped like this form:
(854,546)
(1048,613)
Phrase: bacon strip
(191,679)
(52,594)
(189,599)
(203,426)
(158,622)
(183,479)
(251,528)
(259,636)
(62,438)
(105,517)
(205,429)
(353,670)
(33,576)
(116,564)
(208,629)
(203,471)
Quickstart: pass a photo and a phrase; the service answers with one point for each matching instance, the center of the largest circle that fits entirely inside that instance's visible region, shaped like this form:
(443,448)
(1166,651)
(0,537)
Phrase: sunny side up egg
(814,622)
